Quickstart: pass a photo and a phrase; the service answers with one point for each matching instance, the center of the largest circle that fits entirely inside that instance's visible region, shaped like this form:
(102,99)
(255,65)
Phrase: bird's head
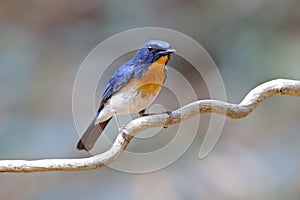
(152,50)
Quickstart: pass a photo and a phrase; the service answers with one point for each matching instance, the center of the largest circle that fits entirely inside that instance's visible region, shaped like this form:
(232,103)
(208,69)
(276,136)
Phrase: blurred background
(42,44)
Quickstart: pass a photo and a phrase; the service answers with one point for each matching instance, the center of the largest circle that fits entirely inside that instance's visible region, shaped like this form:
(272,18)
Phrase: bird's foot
(120,128)
(143,114)
(171,115)
(125,136)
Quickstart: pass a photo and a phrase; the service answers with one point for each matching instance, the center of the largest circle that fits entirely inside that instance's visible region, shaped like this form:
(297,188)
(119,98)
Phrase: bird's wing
(119,79)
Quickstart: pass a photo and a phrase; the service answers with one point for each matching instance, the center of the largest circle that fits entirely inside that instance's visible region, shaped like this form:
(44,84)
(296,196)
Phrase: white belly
(125,103)
(137,94)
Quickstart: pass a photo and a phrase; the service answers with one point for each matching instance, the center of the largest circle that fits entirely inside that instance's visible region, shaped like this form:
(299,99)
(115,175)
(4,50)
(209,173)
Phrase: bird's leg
(117,121)
(143,114)
(125,136)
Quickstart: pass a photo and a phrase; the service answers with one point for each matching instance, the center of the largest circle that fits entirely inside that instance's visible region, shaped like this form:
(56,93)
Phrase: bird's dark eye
(150,49)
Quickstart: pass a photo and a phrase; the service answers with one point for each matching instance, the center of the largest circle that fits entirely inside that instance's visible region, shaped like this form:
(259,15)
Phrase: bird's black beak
(166,52)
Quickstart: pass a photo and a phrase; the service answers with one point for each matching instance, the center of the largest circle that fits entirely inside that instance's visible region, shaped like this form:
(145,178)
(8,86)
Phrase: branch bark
(235,111)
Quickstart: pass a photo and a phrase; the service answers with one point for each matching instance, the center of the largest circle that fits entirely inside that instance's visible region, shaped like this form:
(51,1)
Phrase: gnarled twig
(235,111)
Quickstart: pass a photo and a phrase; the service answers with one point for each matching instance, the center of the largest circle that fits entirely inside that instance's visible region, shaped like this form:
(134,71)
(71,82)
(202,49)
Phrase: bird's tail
(91,135)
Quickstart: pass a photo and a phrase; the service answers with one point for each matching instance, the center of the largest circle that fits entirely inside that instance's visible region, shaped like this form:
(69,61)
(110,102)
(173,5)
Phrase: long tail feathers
(91,135)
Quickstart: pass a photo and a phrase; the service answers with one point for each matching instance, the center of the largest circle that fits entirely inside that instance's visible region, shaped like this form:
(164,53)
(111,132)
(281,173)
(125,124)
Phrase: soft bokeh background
(42,44)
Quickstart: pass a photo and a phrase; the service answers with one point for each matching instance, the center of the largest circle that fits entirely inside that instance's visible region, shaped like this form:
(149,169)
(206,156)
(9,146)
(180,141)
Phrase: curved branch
(235,111)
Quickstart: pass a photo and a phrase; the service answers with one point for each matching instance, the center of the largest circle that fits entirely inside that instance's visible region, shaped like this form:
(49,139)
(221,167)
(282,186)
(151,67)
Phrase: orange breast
(151,82)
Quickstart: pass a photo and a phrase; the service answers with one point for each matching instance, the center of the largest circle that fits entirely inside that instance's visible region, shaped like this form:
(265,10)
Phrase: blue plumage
(135,68)
(121,76)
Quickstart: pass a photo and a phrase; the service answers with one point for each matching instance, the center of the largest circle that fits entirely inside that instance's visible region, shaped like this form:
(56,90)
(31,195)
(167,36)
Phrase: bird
(131,89)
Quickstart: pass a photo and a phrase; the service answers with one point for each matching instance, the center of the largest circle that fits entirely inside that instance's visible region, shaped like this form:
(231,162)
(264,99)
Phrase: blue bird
(131,89)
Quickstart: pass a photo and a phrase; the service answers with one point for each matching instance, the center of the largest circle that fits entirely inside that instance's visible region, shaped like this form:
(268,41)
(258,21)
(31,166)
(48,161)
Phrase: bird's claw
(171,115)
(143,114)
(125,136)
